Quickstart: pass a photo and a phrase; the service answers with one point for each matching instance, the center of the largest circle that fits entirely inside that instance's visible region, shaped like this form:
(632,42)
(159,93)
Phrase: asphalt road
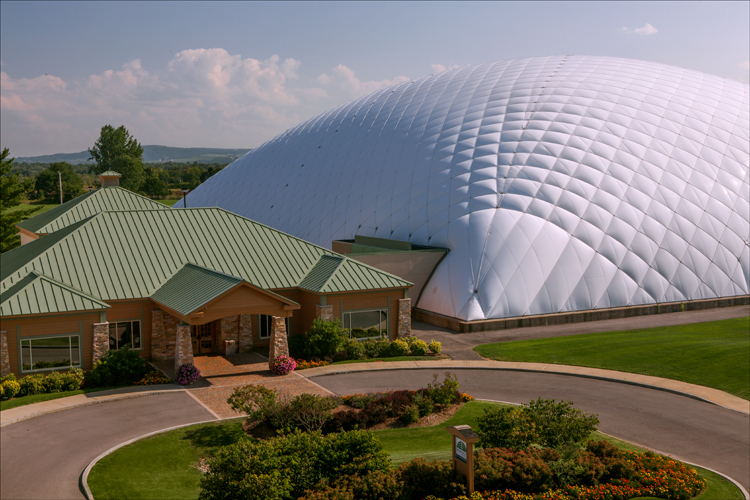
(685,428)
(42,458)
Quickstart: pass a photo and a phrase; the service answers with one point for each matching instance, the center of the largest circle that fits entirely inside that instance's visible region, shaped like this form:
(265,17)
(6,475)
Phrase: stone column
(101,341)
(183,349)
(245,342)
(228,330)
(158,336)
(404,318)
(4,357)
(324,312)
(278,346)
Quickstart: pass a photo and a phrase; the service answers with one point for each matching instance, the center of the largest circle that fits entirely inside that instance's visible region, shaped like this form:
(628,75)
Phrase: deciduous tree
(47,183)
(117,150)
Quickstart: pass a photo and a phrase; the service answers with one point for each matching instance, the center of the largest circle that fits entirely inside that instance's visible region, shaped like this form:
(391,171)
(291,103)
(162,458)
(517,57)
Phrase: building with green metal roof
(115,270)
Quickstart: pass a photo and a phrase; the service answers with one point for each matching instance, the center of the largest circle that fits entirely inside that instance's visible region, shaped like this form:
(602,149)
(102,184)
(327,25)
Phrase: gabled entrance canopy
(198,295)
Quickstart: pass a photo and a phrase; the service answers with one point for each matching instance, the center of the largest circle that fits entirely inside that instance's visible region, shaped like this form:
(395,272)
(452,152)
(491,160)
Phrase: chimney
(110,178)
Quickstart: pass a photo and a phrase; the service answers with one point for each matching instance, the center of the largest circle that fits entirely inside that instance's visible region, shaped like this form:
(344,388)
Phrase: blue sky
(231,74)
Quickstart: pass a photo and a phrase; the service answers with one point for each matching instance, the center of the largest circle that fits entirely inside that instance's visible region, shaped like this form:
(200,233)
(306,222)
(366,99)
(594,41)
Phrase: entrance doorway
(203,338)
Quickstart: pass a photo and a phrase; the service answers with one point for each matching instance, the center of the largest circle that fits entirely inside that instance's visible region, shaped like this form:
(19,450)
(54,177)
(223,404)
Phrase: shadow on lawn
(215,436)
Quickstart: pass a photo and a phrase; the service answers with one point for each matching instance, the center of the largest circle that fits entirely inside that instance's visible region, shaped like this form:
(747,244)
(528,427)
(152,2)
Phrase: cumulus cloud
(645,30)
(202,97)
(439,68)
(343,78)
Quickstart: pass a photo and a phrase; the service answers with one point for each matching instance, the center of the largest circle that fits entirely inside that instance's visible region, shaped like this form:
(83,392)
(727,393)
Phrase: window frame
(384,334)
(131,321)
(21,369)
(287,321)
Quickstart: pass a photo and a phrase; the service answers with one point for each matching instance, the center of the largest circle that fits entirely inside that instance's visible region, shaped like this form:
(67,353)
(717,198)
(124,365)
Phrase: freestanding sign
(463,452)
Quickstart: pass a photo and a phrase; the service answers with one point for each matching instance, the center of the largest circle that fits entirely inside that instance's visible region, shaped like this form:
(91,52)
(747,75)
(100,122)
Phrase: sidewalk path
(461,345)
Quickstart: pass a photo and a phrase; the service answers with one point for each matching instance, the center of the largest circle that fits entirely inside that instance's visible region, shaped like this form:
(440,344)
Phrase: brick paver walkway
(221,374)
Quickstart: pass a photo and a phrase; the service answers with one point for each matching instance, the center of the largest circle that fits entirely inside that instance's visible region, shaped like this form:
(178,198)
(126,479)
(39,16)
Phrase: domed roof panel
(558,183)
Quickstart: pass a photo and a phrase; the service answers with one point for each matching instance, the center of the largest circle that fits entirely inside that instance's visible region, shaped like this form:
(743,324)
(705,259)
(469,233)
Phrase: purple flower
(187,374)
(282,365)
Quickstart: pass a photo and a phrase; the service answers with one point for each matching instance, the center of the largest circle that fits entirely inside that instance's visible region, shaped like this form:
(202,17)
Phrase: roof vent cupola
(110,178)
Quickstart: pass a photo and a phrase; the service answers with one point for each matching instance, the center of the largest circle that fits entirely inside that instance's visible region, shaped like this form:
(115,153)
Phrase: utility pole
(59,178)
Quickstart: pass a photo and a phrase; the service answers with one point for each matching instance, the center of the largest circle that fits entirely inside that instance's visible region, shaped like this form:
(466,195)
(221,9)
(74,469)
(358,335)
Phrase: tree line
(114,150)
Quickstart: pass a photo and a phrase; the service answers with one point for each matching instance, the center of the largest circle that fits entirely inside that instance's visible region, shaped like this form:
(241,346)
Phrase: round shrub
(410,415)
(399,348)
(435,347)
(355,349)
(419,348)
(325,338)
(120,367)
(187,374)
(10,388)
(72,379)
(31,384)
(282,365)
(53,382)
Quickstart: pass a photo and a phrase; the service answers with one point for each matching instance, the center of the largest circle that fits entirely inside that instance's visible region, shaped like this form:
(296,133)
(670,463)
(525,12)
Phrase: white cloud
(439,68)
(202,97)
(645,30)
(343,78)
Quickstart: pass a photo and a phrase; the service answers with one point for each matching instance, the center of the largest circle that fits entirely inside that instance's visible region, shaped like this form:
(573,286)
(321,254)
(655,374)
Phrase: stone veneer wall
(245,343)
(404,318)
(324,312)
(101,341)
(278,345)
(163,335)
(183,351)
(229,328)
(4,357)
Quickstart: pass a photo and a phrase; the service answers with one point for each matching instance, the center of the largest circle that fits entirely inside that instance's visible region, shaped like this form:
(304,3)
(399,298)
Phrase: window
(51,353)
(125,334)
(265,325)
(366,324)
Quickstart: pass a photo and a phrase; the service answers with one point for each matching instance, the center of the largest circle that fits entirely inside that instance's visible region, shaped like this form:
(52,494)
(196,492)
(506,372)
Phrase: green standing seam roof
(321,272)
(132,254)
(39,294)
(193,286)
(84,206)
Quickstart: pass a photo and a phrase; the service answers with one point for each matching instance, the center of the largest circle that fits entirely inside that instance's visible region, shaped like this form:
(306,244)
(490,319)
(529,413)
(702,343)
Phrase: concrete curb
(705,394)
(84,485)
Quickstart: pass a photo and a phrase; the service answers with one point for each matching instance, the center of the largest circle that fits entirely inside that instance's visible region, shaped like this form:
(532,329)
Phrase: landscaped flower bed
(302,364)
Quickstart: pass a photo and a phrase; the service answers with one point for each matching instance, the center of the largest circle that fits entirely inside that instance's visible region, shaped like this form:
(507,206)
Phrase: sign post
(463,452)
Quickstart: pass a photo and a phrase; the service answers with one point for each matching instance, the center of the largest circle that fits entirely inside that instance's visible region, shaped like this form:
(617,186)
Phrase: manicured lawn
(395,358)
(168,203)
(714,354)
(39,208)
(162,466)
(38,398)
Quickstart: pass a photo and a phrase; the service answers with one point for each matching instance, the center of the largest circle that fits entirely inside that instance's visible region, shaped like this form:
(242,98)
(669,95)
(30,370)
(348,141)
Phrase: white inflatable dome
(558,183)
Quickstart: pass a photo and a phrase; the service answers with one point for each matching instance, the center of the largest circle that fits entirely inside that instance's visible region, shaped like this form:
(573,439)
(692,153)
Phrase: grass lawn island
(111,269)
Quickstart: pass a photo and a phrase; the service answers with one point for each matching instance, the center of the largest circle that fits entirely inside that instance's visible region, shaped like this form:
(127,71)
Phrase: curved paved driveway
(683,427)
(43,458)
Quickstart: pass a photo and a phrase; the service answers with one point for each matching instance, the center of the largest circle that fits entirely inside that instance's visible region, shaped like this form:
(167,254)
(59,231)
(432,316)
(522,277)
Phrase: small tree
(153,185)
(12,191)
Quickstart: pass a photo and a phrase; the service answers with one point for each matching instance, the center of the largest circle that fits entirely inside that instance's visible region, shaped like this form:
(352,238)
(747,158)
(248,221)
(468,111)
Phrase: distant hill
(151,154)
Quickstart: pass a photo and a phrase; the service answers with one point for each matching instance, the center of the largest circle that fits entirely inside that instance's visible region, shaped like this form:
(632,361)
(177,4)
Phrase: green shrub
(559,424)
(122,367)
(526,471)
(506,428)
(374,486)
(410,414)
(425,405)
(325,338)
(377,348)
(355,349)
(419,348)
(399,348)
(9,388)
(31,384)
(257,401)
(285,467)
(435,347)
(359,333)
(445,393)
(543,422)
(312,411)
(297,348)
(421,478)
(72,379)
(52,382)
